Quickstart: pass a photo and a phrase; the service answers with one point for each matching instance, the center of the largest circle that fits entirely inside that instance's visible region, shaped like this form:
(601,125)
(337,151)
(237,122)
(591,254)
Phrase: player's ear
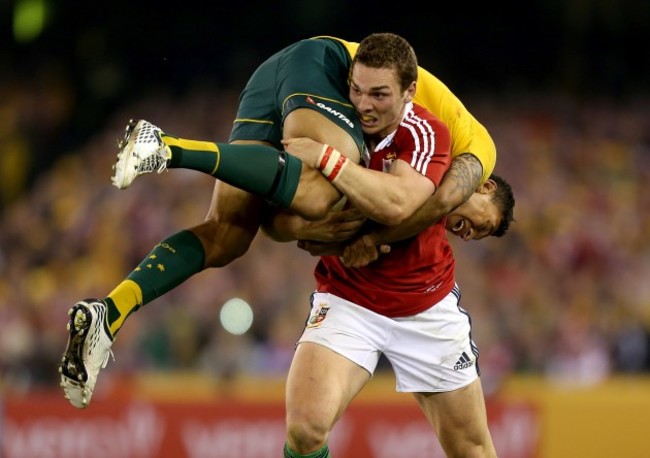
(488,187)
(410,91)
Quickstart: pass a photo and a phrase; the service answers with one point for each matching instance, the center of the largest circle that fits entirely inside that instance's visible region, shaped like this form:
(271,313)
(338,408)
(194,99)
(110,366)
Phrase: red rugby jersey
(418,272)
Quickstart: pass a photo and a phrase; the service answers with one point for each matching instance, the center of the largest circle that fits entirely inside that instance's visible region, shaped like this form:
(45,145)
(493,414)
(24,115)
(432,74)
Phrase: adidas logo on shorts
(463,362)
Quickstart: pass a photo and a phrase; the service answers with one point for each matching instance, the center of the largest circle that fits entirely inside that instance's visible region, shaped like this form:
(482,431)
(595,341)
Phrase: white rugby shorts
(432,351)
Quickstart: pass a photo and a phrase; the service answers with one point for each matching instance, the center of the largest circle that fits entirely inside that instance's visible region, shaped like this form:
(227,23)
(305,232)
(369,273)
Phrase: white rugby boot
(141,151)
(88,350)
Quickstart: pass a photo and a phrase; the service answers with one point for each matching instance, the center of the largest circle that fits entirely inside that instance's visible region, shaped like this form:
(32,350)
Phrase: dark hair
(388,50)
(504,199)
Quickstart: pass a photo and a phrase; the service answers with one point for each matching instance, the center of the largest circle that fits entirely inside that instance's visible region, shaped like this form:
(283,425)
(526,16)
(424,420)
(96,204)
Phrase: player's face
(376,95)
(478,217)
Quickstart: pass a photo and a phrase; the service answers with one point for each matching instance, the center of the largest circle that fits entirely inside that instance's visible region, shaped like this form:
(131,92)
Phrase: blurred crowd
(563,294)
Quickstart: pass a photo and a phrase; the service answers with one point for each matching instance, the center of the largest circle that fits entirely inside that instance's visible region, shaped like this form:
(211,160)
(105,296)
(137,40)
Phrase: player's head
(489,211)
(382,80)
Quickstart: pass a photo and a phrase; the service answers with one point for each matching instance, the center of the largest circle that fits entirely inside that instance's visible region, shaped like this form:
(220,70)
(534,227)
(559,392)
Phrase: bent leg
(230,225)
(260,169)
(459,420)
(320,385)
(226,234)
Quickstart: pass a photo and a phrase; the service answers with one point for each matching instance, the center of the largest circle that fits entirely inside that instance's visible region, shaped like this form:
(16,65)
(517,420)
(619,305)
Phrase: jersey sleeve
(424,143)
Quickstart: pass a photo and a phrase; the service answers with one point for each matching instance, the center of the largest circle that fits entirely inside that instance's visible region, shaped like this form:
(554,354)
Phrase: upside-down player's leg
(250,163)
(300,91)
(226,234)
(255,167)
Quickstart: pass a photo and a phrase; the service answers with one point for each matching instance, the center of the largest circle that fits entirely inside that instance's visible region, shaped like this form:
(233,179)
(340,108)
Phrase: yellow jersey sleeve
(467,134)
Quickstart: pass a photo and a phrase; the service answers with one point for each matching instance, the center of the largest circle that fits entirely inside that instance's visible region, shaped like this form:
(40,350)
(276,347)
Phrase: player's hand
(305,149)
(337,225)
(363,251)
(321,248)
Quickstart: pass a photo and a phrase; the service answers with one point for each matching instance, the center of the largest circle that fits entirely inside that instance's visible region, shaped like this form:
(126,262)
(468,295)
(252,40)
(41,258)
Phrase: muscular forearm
(384,197)
(338,224)
(458,184)
(387,198)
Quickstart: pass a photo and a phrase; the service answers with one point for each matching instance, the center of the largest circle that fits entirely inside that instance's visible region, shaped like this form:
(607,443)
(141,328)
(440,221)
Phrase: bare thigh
(305,122)
(320,385)
(460,420)
(315,195)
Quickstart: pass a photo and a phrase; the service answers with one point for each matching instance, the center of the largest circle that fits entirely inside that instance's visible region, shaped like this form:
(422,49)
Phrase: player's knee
(304,436)
(217,253)
(471,451)
(468,446)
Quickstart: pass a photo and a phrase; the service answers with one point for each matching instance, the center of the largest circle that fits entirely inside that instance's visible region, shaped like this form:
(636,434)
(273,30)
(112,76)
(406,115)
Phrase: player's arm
(283,226)
(388,198)
(319,238)
(458,184)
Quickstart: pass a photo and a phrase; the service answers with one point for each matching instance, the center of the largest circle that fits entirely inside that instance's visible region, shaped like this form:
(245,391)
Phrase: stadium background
(561,305)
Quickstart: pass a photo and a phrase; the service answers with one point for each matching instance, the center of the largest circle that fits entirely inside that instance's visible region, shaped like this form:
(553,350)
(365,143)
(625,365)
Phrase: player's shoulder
(419,113)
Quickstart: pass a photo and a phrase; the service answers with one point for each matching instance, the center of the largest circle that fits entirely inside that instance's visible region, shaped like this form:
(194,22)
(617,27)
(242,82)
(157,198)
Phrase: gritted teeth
(459,226)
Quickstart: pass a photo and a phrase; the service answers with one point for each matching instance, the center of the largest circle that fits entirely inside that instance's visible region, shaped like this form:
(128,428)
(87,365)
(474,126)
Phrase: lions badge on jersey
(387,161)
(317,316)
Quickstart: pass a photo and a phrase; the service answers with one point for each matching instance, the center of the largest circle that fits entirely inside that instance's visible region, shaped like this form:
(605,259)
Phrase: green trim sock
(257,169)
(169,264)
(321,453)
